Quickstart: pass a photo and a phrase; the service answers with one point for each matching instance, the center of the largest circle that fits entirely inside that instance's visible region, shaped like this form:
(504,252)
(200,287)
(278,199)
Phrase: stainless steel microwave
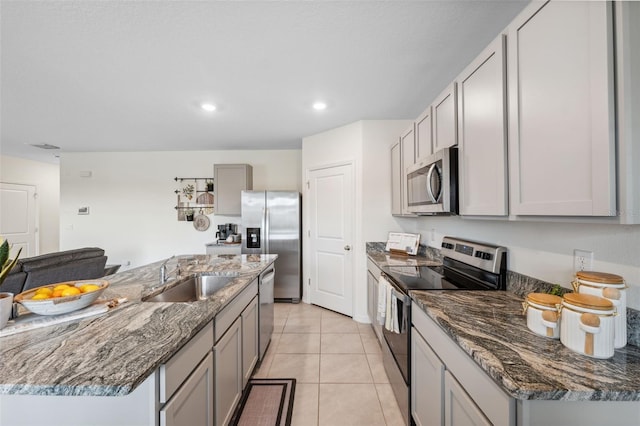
(432,184)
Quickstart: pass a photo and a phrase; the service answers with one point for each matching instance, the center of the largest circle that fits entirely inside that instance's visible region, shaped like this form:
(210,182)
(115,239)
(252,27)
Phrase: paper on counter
(404,242)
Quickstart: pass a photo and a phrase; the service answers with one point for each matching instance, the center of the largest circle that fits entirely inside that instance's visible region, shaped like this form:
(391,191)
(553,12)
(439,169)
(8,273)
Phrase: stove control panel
(485,256)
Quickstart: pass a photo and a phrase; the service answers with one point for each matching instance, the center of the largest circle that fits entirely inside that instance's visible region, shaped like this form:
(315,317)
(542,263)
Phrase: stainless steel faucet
(164,275)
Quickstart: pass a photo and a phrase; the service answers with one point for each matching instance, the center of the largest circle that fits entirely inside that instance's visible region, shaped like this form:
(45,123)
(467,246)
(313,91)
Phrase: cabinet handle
(347,248)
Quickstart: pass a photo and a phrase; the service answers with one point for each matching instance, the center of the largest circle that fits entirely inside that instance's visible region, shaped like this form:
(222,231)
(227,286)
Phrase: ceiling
(131,75)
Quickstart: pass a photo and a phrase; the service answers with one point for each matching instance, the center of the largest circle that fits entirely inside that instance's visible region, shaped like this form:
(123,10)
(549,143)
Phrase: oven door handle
(404,298)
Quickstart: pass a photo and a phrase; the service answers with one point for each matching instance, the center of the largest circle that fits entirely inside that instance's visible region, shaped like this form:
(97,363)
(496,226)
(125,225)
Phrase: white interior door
(18,219)
(331,207)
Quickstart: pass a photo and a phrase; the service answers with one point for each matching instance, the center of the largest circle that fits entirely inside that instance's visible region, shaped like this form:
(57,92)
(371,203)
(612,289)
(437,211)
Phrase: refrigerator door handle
(265,218)
(263,232)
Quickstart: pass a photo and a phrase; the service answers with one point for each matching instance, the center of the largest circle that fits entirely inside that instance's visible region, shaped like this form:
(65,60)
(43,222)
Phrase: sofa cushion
(14,282)
(54,259)
(82,269)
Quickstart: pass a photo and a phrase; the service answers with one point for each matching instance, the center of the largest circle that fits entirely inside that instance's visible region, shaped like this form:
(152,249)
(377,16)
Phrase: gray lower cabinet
(373,272)
(228,372)
(446,380)
(459,408)
(192,404)
(427,375)
(250,348)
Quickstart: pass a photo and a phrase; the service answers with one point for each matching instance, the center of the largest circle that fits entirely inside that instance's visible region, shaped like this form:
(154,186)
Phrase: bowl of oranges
(60,298)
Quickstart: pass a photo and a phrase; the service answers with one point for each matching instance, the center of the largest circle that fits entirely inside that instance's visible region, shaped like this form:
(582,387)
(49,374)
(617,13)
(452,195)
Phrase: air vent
(45,146)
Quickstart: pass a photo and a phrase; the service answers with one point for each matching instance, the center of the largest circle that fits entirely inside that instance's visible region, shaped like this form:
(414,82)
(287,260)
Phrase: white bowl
(61,305)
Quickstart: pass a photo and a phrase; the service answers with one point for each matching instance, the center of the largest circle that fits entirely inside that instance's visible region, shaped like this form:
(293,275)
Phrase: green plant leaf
(5,270)
(4,253)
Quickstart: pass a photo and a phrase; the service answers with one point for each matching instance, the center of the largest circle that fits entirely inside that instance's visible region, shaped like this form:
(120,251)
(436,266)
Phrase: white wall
(366,145)
(544,250)
(46,178)
(131,199)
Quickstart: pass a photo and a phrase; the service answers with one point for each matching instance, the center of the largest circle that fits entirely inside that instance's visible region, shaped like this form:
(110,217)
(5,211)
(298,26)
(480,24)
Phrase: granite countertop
(491,328)
(109,355)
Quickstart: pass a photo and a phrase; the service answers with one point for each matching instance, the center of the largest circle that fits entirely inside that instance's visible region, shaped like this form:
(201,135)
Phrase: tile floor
(338,366)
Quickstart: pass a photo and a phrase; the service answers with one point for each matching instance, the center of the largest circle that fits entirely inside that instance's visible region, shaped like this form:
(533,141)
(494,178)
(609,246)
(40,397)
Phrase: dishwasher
(265,308)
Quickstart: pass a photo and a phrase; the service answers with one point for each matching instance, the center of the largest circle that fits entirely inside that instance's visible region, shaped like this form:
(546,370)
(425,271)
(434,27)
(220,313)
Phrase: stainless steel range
(467,265)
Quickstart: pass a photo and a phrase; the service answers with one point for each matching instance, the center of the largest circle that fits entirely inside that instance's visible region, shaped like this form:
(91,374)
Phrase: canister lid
(544,299)
(588,301)
(599,277)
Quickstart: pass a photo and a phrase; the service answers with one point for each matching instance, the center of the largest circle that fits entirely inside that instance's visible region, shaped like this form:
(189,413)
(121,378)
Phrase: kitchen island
(108,363)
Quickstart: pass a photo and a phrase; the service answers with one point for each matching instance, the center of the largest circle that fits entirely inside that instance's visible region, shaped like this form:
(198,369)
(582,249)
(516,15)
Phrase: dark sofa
(78,264)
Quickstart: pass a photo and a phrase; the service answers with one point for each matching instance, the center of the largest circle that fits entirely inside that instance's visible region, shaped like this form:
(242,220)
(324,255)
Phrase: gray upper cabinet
(561,110)
(407,148)
(403,155)
(444,110)
(424,135)
(229,181)
(482,133)
(396,182)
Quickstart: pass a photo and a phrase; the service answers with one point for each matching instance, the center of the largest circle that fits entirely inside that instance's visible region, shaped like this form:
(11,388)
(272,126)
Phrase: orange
(57,293)
(44,290)
(87,288)
(61,287)
(70,291)
(40,296)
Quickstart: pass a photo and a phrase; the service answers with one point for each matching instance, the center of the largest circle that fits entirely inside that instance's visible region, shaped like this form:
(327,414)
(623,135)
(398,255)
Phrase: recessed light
(208,107)
(319,106)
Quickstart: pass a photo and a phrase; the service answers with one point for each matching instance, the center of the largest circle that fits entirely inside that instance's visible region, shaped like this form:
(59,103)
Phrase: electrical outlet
(582,260)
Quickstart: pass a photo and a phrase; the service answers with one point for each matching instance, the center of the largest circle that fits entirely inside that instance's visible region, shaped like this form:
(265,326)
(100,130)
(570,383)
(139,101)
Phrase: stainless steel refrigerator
(271,223)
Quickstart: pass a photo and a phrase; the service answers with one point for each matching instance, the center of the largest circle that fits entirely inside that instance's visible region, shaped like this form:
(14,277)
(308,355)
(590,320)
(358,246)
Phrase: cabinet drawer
(175,371)
(234,309)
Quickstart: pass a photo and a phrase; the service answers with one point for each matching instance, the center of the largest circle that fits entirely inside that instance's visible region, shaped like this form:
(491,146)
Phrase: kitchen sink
(193,288)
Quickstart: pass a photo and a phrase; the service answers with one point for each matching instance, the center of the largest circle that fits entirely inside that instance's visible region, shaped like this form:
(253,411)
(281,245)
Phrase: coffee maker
(226,230)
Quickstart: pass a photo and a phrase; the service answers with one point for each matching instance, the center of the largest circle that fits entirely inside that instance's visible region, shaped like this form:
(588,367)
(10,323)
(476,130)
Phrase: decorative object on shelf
(194,195)
(201,222)
(188,191)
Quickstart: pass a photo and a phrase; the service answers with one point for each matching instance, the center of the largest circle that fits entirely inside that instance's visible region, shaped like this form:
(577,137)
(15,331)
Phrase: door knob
(347,248)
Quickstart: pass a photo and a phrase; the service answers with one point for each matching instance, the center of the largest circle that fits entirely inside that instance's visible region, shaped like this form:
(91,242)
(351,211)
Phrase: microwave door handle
(432,169)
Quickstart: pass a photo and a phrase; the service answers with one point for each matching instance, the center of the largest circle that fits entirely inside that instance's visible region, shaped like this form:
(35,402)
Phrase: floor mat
(266,402)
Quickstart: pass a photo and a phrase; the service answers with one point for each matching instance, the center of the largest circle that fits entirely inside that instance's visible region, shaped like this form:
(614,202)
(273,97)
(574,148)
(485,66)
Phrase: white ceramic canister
(587,325)
(611,287)
(542,314)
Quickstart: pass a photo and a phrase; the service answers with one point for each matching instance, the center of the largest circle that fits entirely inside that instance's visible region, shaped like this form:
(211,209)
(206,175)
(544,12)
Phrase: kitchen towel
(383,285)
(388,318)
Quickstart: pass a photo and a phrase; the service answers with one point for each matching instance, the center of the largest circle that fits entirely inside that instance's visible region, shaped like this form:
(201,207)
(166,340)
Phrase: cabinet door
(396,181)
(427,375)
(561,111)
(229,181)
(249,340)
(459,408)
(445,132)
(482,133)
(407,147)
(192,404)
(228,372)
(424,135)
